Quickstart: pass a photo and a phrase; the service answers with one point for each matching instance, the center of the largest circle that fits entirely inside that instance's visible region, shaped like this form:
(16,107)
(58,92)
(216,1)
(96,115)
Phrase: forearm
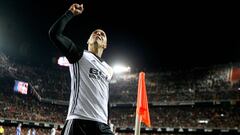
(63,43)
(74,10)
(59,26)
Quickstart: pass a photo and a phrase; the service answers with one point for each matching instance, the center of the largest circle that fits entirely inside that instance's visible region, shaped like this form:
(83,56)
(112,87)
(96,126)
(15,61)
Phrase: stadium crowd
(195,84)
(27,131)
(206,83)
(184,117)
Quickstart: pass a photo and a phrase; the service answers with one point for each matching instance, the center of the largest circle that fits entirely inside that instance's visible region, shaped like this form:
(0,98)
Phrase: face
(98,37)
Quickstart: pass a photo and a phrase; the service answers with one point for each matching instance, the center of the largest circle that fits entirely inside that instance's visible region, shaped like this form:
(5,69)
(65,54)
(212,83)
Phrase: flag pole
(137,125)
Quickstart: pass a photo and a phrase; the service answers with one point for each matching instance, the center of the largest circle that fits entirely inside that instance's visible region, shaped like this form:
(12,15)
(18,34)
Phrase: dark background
(145,35)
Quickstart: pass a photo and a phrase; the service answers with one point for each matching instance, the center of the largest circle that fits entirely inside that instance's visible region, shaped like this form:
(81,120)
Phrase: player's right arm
(63,43)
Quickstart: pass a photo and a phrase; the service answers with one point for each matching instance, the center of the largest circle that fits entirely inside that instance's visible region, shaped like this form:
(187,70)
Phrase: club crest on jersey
(96,74)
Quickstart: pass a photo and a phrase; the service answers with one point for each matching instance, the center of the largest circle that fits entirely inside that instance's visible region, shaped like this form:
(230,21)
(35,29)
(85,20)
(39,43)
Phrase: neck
(96,51)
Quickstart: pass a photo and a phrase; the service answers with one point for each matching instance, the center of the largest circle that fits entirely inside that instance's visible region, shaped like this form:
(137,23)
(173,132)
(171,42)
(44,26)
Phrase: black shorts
(85,127)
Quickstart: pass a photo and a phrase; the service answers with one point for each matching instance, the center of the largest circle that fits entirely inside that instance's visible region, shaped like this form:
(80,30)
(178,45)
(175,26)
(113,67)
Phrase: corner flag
(142,112)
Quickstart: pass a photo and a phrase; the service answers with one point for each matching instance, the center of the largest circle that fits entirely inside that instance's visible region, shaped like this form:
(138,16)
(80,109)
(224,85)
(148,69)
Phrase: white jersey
(90,78)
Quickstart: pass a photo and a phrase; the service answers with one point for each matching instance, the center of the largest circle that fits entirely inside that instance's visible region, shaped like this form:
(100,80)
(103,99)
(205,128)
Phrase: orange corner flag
(142,101)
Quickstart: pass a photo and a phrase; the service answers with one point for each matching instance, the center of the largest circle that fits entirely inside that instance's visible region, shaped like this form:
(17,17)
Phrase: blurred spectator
(33,131)
(29,131)
(1,130)
(19,128)
(53,131)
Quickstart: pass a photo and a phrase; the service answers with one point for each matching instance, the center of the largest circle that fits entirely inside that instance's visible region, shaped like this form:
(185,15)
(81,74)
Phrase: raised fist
(76,9)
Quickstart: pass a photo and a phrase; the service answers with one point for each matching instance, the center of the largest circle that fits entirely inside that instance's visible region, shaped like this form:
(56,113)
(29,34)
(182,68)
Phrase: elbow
(52,34)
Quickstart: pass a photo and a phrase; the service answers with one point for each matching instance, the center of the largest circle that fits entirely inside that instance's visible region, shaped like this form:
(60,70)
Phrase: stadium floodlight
(121,69)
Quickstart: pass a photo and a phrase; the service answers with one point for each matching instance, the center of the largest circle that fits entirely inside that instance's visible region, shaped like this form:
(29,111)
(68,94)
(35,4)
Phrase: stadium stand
(191,101)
